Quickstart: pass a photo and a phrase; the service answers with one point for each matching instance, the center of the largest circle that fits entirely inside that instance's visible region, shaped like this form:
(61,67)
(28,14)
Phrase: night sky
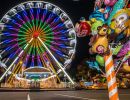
(75,9)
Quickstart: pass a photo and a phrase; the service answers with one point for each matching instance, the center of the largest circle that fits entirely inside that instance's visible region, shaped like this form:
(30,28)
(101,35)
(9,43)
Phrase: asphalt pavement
(63,95)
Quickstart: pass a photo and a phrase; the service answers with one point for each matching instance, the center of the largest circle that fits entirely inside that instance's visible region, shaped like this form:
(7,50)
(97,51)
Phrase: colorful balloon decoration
(83,28)
(110,31)
(125,52)
(118,5)
(100,60)
(121,22)
(128,5)
(110,2)
(94,25)
(100,43)
(93,65)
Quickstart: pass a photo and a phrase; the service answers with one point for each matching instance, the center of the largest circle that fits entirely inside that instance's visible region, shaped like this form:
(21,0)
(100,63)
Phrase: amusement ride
(37,40)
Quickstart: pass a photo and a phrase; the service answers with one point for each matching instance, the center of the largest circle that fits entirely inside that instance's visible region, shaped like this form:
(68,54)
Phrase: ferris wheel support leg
(53,69)
(59,65)
(15,60)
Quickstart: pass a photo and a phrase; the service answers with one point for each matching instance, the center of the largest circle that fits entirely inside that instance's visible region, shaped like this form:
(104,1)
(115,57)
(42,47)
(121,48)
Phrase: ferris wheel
(37,33)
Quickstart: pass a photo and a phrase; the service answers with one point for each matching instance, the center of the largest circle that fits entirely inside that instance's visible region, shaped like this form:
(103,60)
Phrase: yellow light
(20,62)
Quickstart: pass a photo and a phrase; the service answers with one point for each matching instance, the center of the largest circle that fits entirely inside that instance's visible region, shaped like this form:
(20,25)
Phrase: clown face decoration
(121,22)
(83,28)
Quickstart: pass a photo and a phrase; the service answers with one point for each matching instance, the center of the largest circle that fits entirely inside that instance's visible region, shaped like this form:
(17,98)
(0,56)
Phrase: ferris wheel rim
(62,11)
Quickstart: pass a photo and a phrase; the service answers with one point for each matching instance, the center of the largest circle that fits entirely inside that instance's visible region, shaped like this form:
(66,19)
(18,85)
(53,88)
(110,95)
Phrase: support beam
(59,65)
(15,60)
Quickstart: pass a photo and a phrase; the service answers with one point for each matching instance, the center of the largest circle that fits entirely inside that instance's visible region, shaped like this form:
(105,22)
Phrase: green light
(25,33)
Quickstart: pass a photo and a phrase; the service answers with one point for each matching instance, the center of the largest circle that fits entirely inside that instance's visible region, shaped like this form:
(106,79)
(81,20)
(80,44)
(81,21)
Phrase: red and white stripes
(111,77)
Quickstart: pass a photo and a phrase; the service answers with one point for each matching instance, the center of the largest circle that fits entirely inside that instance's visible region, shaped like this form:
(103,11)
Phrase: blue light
(59,52)
(62,46)
(63,31)
(6,41)
(8,48)
(31,13)
(56,19)
(61,24)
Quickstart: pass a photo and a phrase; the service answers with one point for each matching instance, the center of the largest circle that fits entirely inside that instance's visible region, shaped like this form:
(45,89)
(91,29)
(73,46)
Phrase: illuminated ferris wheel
(37,34)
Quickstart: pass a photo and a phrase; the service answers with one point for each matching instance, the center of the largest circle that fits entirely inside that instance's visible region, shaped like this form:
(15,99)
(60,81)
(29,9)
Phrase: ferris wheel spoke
(37,48)
(58,26)
(50,18)
(12,55)
(31,48)
(22,43)
(23,35)
(13,29)
(26,57)
(60,39)
(39,62)
(13,22)
(23,22)
(18,24)
(60,32)
(43,16)
(31,14)
(49,32)
(23,40)
(59,44)
(59,52)
(55,22)
(20,20)
(11,47)
(42,25)
(25,14)
(8,48)
(45,26)
(9,35)
(34,48)
(26,60)
(40,48)
(28,25)
(8,41)
(38,13)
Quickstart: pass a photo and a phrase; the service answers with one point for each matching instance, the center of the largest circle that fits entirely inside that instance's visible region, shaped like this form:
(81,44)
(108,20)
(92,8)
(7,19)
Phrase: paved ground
(63,95)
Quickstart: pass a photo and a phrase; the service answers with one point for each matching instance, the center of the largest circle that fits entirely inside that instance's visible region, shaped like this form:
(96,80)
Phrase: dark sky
(75,9)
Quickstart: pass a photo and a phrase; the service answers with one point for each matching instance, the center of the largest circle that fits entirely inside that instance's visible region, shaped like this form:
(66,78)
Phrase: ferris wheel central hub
(35,34)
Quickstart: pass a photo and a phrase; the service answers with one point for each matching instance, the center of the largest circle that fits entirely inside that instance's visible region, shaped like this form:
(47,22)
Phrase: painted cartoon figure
(83,28)
(99,42)
(121,22)
(94,25)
